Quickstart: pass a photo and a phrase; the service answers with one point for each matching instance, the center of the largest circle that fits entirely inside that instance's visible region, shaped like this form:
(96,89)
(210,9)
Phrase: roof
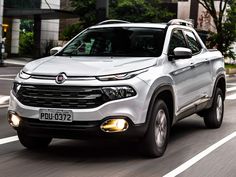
(45,14)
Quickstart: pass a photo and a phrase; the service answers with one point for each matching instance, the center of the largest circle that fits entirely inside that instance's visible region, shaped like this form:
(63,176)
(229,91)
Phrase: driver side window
(177,40)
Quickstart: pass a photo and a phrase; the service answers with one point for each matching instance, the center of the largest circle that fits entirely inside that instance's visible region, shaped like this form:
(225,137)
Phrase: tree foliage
(130,10)
(71,31)
(225,27)
(139,11)
(85,10)
(26,43)
(27,25)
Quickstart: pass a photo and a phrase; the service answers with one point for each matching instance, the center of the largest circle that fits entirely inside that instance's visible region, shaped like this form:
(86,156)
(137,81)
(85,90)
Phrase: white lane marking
(231,84)
(4,99)
(6,79)
(199,156)
(8,140)
(231,89)
(7,75)
(231,97)
(4,106)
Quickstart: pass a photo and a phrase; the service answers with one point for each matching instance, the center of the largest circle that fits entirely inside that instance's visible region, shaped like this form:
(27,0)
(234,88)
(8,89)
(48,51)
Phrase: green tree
(139,11)
(27,25)
(87,14)
(71,31)
(226,29)
(26,43)
(86,11)
(131,10)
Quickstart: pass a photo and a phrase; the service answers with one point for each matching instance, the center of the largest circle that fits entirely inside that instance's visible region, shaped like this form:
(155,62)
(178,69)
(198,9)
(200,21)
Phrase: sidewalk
(17,61)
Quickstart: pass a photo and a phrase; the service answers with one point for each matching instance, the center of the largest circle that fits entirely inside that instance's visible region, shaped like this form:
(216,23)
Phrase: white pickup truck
(119,80)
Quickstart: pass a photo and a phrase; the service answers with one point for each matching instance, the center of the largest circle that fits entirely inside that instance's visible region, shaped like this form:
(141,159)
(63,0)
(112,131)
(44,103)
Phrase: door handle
(192,65)
(207,60)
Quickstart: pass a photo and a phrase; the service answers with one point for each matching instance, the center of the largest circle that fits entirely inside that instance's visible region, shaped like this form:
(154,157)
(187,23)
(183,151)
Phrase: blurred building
(44,13)
(192,10)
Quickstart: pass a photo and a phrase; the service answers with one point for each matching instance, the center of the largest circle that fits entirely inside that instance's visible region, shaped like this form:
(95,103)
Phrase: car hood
(87,66)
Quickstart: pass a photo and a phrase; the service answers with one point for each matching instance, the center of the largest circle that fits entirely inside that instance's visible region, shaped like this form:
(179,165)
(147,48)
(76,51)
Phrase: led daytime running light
(24,75)
(122,76)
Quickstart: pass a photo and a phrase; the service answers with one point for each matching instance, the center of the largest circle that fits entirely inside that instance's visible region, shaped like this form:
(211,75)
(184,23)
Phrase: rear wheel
(156,138)
(33,142)
(213,117)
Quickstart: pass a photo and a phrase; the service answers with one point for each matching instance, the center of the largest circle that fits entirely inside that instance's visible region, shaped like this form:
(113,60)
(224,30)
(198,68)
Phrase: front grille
(72,97)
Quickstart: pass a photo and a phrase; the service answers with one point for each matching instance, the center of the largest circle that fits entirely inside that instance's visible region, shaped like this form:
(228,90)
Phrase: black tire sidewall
(210,119)
(150,142)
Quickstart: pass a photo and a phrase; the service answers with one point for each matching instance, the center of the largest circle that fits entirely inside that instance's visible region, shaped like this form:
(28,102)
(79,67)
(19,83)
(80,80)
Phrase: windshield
(117,41)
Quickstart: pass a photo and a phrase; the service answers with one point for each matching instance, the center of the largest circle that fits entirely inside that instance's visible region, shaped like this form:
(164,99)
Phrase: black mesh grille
(62,125)
(72,97)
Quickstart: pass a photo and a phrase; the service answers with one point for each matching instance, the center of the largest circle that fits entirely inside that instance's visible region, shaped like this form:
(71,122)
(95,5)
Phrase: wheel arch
(165,93)
(220,83)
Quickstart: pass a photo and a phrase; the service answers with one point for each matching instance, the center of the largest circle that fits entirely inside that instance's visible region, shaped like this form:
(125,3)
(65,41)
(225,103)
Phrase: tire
(213,117)
(33,142)
(156,138)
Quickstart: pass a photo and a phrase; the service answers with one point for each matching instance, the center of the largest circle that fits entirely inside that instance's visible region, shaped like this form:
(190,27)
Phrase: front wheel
(33,142)
(156,138)
(214,116)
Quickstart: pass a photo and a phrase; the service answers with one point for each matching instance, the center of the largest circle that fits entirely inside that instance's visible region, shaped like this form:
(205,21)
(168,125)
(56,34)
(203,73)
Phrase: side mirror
(55,50)
(182,53)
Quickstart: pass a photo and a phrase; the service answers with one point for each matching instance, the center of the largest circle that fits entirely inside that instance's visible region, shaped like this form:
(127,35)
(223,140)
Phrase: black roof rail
(180,22)
(112,21)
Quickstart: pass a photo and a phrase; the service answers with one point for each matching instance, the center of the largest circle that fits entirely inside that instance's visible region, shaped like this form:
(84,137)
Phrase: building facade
(191,9)
(15,10)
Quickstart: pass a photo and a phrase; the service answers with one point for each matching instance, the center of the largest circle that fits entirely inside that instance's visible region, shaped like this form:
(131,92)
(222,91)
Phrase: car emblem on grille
(61,77)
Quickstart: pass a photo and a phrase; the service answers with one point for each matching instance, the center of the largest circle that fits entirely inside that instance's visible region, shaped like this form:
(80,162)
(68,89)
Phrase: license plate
(55,115)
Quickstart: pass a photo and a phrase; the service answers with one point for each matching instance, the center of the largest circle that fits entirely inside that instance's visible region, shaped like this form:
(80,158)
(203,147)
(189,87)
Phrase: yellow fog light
(14,120)
(115,125)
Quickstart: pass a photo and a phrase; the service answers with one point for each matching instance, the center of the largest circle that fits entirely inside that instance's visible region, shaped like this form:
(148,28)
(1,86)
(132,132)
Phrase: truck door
(181,72)
(201,67)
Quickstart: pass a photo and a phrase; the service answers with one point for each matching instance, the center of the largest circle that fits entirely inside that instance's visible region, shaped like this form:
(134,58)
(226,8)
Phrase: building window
(23,4)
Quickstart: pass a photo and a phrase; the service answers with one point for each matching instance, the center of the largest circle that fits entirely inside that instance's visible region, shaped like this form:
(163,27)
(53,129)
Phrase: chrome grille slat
(68,77)
(72,97)
(66,98)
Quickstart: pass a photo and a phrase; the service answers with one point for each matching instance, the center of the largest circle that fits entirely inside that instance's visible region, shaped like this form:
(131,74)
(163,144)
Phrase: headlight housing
(115,93)
(122,76)
(16,88)
(24,75)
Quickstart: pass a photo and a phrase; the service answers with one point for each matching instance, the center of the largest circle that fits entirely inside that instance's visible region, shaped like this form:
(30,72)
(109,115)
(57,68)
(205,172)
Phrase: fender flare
(218,78)
(162,88)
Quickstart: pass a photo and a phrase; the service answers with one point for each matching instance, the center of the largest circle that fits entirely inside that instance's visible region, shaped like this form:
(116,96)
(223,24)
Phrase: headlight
(16,88)
(122,76)
(115,93)
(24,75)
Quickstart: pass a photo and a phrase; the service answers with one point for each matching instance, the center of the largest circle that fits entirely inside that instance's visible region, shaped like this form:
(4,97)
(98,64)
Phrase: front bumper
(76,129)
(86,122)
(135,108)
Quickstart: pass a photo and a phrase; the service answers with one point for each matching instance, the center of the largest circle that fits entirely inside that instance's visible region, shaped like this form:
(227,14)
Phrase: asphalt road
(75,158)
